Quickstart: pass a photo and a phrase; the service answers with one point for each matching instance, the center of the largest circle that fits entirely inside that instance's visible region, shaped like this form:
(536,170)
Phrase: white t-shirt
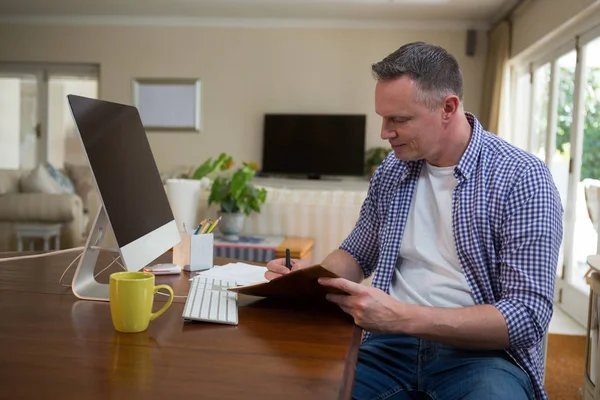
(428,271)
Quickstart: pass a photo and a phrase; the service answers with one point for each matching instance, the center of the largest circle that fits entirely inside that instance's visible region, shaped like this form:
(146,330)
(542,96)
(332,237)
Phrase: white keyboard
(209,300)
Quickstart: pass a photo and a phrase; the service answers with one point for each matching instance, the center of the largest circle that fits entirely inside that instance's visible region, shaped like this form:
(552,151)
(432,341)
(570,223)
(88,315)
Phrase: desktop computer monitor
(133,200)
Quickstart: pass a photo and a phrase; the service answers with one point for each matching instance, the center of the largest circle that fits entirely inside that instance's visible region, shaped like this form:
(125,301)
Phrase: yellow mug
(131,300)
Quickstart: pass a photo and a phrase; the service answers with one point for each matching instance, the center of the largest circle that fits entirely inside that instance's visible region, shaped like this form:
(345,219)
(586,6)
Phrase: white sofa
(17,207)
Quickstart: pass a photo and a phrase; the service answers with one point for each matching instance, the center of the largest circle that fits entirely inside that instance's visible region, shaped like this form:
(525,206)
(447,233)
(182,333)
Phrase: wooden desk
(54,345)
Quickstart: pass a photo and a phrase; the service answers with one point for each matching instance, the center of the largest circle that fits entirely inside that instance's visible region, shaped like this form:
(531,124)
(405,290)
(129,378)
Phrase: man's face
(412,129)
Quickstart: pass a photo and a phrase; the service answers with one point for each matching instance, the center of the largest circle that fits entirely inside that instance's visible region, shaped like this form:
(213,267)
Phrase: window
(539,122)
(558,133)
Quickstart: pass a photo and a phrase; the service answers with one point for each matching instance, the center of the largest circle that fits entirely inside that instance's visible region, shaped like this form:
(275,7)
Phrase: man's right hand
(277,268)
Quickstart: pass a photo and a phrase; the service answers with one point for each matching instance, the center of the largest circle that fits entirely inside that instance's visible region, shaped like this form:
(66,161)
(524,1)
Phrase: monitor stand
(84,285)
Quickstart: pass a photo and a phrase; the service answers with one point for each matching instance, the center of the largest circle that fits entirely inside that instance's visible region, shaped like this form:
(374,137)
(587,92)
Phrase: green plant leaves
(590,163)
(375,156)
(234,192)
(222,163)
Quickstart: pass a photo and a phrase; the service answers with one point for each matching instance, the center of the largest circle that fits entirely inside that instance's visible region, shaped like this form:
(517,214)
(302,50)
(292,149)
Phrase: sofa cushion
(46,179)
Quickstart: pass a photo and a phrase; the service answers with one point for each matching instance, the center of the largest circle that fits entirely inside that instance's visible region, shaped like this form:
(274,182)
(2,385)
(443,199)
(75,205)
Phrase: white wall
(540,17)
(245,73)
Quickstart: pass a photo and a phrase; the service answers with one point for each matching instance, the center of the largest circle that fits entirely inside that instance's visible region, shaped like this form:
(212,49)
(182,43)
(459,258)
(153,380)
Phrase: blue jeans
(398,367)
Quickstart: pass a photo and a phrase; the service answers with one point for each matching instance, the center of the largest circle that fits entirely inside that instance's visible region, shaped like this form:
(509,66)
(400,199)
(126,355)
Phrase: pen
(288,261)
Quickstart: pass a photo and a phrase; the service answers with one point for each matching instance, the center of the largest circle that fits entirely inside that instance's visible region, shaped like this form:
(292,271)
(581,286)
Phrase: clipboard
(302,283)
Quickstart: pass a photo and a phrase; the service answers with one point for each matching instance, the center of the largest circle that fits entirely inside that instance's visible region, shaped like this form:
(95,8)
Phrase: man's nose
(387,133)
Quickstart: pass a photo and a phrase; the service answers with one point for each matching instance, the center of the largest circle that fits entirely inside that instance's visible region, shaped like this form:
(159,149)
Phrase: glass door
(539,119)
(556,131)
(35,121)
(572,296)
(544,133)
(586,173)
(573,132)
(19,120)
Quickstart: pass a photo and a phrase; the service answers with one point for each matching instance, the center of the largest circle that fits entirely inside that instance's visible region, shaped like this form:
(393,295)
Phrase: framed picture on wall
(168,104)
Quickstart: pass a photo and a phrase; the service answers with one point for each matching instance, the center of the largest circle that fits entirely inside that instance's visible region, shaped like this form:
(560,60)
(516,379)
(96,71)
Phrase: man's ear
(450,107)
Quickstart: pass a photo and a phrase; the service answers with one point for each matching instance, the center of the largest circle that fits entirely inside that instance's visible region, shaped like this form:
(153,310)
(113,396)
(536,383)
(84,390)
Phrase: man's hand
(277,268)
(476,327)
(371,308)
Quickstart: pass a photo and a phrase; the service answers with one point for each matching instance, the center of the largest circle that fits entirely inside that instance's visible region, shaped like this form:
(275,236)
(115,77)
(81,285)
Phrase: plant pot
(231,225)
(184,195)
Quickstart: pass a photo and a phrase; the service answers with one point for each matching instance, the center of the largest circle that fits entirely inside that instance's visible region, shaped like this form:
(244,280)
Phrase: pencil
(214,225)
(208,223)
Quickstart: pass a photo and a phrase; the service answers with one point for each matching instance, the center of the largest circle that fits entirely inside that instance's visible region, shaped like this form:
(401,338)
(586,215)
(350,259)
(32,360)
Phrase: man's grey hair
(434,70)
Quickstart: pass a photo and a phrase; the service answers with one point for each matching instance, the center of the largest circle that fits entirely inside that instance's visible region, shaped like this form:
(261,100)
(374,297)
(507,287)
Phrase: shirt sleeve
(363,242)
(531,236)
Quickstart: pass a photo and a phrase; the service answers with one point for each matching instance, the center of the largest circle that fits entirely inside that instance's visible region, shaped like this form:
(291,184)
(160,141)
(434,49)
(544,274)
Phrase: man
(462,231)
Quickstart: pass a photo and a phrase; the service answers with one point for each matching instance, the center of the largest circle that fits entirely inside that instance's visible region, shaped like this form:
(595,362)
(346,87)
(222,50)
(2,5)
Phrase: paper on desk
(243,274)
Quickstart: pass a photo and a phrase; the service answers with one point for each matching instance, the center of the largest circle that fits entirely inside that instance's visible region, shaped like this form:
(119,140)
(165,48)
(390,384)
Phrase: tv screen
(313,145)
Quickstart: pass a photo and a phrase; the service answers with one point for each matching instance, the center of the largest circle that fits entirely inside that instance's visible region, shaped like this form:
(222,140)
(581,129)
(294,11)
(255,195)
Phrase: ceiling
(476,11)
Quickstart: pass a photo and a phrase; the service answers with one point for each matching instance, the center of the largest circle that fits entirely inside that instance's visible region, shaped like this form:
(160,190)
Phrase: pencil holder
(181,251)
(201,252)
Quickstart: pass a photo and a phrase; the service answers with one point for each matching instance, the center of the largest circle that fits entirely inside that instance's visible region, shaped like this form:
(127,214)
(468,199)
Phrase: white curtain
(498,54)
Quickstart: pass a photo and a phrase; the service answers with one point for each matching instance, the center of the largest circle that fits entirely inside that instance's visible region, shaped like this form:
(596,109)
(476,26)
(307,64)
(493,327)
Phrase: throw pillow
(61,179)
(39,180)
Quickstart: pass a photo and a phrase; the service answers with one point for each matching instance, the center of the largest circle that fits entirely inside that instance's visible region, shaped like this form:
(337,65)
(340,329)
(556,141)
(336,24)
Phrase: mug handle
(157,314)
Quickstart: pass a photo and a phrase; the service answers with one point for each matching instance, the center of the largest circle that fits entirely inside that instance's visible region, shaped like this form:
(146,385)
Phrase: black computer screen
(314,144)
(123,165)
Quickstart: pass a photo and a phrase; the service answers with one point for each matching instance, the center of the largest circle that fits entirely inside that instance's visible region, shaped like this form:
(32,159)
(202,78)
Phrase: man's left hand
(371,308)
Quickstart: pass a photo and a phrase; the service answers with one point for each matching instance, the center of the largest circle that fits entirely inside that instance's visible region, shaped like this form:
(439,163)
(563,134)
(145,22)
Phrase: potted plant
(232,189)
(374,157)
(183,194)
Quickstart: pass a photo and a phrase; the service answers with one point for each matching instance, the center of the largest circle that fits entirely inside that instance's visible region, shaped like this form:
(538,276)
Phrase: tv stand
(323,182)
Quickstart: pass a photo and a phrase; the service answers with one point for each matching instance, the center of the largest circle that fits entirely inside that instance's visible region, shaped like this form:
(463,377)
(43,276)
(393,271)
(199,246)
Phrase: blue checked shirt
(507,219)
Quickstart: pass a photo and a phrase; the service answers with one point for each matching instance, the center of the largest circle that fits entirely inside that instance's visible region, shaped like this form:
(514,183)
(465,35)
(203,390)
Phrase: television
(313,145)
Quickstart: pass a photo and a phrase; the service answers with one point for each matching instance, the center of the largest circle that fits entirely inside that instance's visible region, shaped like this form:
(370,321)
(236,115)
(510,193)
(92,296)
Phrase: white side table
(38,231)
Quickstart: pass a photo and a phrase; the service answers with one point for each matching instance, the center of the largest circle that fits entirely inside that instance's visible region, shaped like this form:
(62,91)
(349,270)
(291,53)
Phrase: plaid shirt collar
(468,161)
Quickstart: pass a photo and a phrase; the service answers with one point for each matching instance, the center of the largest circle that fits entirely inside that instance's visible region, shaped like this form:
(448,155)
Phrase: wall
(538,18)
(18,111)
(245,73)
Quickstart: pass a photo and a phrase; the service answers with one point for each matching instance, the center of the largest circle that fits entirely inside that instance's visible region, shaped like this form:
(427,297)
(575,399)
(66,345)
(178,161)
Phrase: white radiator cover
(327,216)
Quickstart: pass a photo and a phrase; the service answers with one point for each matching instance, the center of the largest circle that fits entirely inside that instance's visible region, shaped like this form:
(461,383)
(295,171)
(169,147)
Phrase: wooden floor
(565,366)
